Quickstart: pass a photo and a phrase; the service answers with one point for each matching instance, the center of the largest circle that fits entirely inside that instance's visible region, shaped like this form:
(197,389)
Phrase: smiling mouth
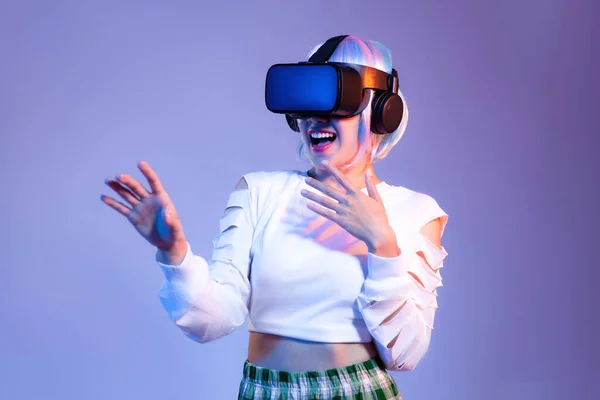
(322,139)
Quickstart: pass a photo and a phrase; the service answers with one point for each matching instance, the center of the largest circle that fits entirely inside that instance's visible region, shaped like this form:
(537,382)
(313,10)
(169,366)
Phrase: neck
(355,174)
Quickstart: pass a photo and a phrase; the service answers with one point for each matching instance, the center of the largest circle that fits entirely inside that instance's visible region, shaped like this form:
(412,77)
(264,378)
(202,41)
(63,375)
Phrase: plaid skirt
(366,381)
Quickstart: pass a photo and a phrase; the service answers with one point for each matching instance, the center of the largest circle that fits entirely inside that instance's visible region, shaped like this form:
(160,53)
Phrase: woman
(336,269)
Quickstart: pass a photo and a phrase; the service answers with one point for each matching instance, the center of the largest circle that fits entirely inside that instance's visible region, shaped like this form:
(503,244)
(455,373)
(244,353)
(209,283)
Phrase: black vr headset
(329,89)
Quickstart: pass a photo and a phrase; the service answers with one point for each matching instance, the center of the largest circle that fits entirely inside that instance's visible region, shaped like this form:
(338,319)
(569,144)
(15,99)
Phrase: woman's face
(332,139)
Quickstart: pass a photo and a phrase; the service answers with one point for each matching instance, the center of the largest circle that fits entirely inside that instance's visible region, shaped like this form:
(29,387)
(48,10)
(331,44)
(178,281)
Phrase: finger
(152,177)
(371,187)
(136,187)
(322,200)
(120,207)
(326,189)
(124,192)
(330,215)
(339,177)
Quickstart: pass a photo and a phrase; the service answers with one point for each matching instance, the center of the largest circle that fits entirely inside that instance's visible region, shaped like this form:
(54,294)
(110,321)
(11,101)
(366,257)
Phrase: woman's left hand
(363,216)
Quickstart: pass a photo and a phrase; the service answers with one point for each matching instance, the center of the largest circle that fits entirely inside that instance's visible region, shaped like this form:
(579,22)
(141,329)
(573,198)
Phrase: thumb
(167,214)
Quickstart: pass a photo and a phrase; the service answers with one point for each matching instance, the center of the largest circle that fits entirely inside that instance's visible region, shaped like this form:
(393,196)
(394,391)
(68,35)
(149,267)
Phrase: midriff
(293,355)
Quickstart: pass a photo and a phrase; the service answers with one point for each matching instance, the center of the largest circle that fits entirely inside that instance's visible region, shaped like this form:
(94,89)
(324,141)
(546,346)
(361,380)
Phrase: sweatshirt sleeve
(208,299)
(399,297)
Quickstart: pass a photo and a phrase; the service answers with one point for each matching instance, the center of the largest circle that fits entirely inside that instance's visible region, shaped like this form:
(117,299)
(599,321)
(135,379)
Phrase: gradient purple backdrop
(502,97)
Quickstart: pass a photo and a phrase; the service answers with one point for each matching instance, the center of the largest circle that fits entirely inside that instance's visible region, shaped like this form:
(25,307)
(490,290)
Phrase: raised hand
(151,213)
(361,215)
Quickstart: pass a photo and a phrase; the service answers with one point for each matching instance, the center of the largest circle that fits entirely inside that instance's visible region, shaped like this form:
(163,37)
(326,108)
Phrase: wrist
(173,255)
(385,250)
(386,246)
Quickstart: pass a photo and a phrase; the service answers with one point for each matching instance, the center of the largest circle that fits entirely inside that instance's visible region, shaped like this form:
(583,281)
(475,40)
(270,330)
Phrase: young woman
(336,269)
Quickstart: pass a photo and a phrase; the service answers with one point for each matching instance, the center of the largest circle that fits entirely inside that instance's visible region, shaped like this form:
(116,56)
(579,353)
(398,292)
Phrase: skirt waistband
(265,376)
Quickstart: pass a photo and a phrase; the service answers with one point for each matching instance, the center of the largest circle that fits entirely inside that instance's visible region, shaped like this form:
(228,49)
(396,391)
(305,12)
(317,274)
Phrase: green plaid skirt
(365,381)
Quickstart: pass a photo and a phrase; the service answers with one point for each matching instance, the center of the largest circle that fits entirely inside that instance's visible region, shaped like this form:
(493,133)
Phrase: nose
(315,122)
(316,119)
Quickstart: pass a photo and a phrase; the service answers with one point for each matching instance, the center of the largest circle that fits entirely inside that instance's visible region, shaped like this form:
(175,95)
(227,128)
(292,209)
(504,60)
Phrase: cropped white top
(299,275)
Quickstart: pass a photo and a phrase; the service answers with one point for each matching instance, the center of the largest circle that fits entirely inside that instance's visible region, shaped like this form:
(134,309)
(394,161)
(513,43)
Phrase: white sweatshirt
(299,275)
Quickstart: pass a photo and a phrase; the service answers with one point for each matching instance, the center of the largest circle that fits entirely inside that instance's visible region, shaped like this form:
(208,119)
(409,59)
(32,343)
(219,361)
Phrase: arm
(210,299)
(398,301)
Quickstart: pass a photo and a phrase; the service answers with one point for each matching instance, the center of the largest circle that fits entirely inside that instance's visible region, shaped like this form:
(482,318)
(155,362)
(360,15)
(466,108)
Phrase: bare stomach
(293,355)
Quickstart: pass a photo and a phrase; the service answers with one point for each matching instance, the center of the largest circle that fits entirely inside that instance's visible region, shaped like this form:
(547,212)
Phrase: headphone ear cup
(292,123)
(386,113)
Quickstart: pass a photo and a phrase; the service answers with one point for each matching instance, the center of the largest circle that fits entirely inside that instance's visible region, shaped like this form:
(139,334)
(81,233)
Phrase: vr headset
(329,89)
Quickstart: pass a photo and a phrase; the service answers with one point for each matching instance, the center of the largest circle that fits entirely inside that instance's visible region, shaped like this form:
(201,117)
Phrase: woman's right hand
(152,214)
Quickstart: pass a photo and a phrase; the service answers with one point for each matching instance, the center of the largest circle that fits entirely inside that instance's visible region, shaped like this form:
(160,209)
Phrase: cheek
(303,125)
(350,130)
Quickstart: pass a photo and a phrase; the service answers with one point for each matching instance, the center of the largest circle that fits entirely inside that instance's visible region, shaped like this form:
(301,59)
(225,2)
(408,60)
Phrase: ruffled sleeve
(399,297)
(210,299)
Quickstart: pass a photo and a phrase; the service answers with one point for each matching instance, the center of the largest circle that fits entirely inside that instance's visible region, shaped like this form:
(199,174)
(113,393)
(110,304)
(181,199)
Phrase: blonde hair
(354,50)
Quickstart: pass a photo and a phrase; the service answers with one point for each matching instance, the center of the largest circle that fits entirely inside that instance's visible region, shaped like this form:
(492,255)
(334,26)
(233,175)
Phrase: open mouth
(322,139)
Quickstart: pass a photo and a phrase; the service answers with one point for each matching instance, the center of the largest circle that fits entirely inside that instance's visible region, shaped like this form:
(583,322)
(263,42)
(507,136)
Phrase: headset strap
(326,50)
(393,81)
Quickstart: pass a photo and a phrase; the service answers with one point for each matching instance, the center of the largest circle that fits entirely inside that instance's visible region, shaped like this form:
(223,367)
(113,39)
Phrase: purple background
(502,97)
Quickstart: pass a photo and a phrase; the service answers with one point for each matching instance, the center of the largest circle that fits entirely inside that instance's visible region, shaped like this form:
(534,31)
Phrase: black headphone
(387,107)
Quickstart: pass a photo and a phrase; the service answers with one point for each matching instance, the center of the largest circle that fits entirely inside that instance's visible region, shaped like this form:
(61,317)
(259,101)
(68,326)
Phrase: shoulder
(268,187)
(266,181)
(412,207)
(403,197)
(258,190)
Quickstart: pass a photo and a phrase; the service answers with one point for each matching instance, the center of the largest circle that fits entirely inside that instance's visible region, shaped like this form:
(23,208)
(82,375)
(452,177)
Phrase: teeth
(321,135)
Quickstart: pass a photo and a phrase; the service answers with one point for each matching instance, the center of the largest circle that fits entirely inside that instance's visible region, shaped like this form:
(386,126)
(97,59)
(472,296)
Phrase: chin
(334,161)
